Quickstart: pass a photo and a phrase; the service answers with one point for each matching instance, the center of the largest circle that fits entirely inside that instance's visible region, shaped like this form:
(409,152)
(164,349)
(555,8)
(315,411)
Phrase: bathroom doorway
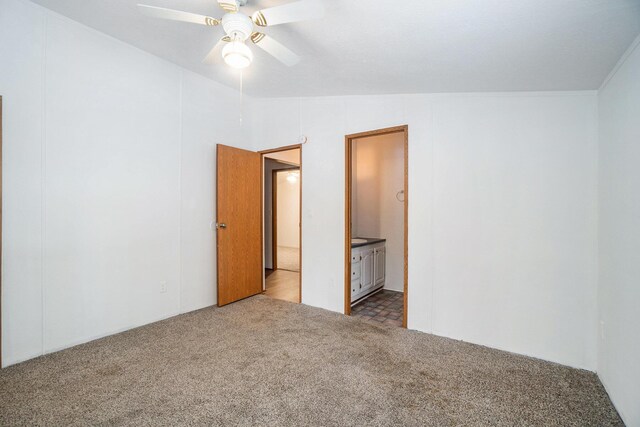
(282,190)
(376,214)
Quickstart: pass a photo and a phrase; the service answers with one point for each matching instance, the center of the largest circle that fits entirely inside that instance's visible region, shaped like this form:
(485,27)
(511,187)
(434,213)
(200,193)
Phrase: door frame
(348,139)
(1,271)
(274,218)
(262,155)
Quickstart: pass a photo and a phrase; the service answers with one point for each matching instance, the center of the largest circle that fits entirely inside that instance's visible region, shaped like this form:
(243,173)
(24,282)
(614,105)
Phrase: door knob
(221,225)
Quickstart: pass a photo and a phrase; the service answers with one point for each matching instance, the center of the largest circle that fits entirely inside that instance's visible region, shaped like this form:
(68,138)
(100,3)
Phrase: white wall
(288,211)
(22,89)
(377,178)
(619,227)
(502,211)
(108,175)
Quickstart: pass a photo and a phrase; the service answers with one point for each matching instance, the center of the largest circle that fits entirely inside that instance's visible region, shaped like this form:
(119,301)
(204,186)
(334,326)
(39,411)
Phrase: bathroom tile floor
(384,307)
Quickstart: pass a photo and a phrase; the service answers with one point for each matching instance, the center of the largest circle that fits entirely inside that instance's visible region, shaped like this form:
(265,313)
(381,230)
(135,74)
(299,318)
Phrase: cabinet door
(356,286)
(379,265)
(366,272)
(355,289)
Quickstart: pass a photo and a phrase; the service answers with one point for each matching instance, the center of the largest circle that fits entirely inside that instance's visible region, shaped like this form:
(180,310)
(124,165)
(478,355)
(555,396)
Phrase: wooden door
(239,224)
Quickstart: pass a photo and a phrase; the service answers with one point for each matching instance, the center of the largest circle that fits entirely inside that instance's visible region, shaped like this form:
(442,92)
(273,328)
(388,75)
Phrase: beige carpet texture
(273,363)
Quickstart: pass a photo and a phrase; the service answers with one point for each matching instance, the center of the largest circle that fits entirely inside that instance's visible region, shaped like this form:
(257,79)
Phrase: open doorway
(282,223)
(376,189)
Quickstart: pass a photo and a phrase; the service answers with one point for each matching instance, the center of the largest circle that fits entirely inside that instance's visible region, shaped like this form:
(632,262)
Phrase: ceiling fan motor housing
(238,26)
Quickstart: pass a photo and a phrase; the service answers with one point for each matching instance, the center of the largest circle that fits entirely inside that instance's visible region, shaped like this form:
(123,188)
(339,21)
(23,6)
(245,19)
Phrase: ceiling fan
(239,28)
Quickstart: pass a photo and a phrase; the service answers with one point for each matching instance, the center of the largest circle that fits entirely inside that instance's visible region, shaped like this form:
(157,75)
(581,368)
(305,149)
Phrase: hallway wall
(288,211)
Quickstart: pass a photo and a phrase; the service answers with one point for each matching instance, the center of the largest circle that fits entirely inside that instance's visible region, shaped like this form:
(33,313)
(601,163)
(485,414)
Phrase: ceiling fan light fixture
(237,55)
(239,27)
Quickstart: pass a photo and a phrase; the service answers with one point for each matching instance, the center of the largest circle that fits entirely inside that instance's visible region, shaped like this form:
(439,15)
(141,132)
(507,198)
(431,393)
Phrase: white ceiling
(390,46)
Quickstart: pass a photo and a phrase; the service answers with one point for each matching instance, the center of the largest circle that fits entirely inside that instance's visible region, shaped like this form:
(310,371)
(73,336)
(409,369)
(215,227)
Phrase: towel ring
(398,195)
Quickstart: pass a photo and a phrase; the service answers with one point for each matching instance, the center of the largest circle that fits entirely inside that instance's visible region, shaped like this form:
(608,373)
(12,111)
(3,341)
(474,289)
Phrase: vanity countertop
(369,241)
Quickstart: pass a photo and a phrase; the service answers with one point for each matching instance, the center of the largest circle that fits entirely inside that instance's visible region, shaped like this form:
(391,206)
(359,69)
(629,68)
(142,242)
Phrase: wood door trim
(406,227)
(285,148)
(274,218)
(261,224)
(347,235)
(275,150)
(348,168)
(0,231)
(300,232)
(378,132)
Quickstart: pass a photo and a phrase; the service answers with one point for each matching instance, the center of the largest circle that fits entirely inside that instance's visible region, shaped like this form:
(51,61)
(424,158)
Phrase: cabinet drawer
(355,288)
(355,270)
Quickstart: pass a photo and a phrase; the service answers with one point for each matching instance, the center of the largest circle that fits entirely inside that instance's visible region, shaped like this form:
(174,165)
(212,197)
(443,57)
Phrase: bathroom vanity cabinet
(367,268)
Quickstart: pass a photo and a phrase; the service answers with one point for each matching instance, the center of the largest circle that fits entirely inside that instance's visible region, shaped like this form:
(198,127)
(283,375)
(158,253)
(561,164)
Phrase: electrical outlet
(163,286)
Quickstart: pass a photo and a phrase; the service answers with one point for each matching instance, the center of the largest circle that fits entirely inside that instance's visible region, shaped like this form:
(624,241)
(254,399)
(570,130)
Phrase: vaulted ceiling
(390,46)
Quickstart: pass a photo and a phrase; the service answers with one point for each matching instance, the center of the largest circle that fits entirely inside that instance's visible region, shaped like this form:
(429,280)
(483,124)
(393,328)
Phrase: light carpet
(268,362)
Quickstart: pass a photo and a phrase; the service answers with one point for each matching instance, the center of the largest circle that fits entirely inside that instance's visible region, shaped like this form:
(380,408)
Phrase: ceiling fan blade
(177,15)
(275,49)
(214,54)
(301,10)
(229,6)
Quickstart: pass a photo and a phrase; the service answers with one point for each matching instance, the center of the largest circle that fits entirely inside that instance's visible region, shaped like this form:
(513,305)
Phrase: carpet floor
(263,361)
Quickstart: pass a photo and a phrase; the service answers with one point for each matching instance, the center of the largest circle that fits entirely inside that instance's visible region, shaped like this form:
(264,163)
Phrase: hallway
(283,285)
